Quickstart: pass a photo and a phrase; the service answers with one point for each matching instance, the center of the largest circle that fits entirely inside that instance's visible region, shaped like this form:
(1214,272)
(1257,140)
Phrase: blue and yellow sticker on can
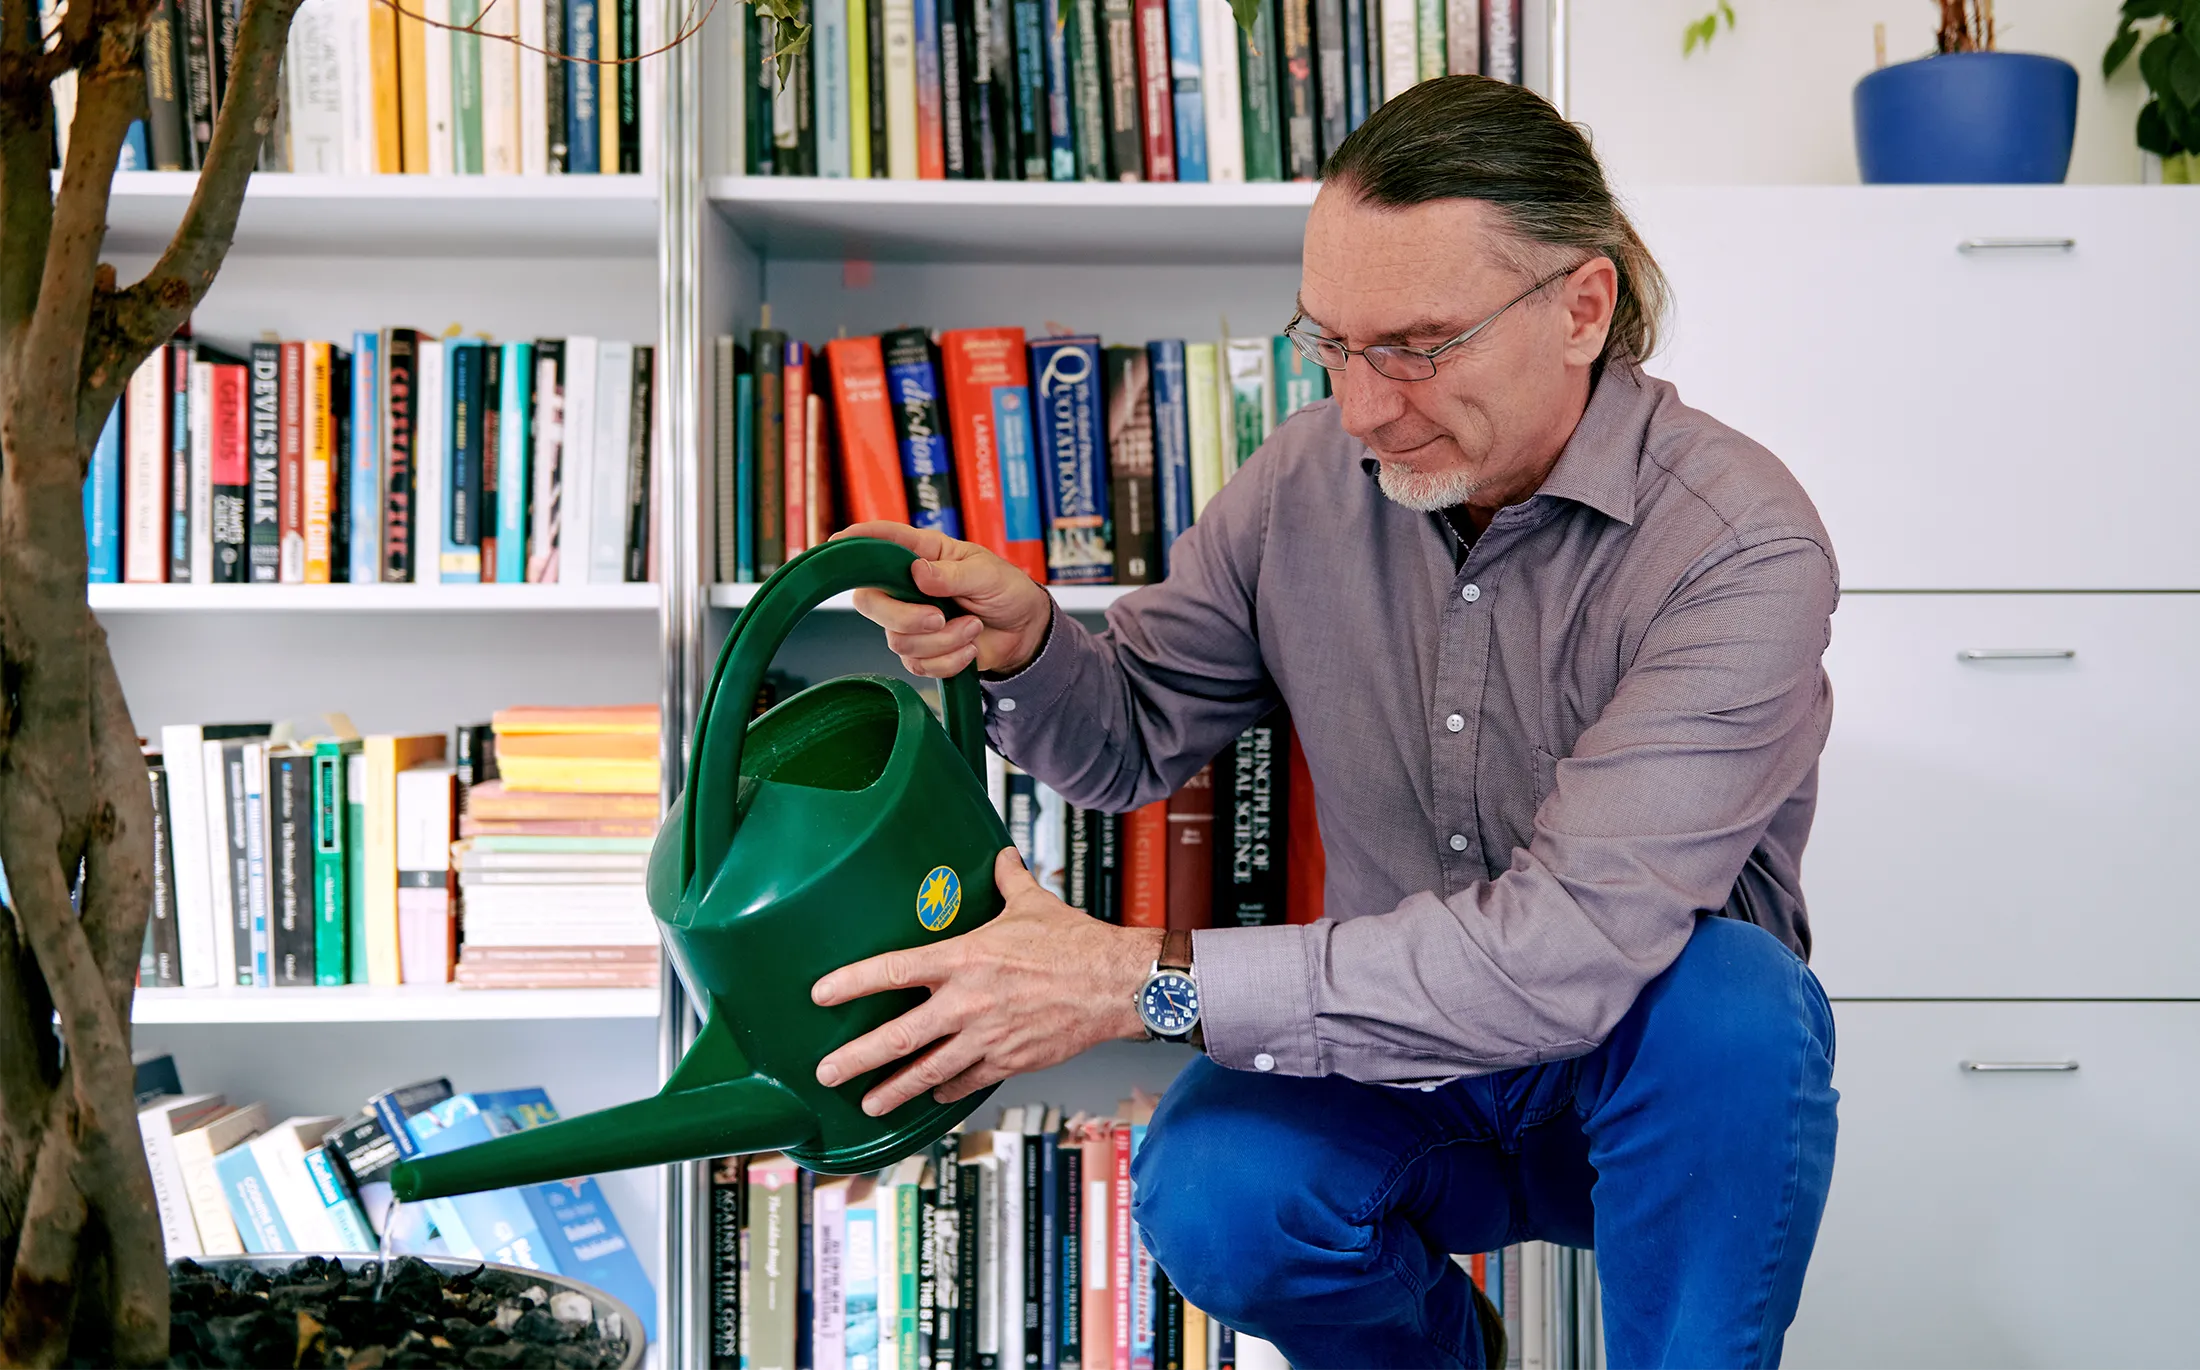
(939,898)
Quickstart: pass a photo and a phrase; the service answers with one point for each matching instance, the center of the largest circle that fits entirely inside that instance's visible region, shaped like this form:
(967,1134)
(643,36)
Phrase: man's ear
(1589,295)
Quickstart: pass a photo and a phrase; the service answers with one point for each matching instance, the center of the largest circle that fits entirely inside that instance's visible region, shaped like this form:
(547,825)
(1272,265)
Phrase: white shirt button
(1006,706)
(1455,723)
(1264,1062)
(1458,841)
(1470,593)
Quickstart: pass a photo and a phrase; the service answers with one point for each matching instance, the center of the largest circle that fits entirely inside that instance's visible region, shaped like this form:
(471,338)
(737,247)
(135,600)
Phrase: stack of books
(553,852)
(1096,90)
(227,1181)
(408,457)
(1078,461)
(436,86)
(1002,1246)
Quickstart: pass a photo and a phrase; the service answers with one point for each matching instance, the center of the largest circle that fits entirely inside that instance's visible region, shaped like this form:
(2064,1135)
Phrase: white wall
(1768,101)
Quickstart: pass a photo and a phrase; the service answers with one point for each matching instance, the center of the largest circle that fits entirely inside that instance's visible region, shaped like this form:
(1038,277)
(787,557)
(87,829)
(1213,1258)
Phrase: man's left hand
(1034,987)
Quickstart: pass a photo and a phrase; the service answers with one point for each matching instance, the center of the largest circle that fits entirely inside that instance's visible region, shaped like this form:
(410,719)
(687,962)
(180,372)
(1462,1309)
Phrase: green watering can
(842,824)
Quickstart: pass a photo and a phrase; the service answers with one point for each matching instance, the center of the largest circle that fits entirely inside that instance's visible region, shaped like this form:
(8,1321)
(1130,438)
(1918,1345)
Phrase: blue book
(583,121)
(1034,138)
(1191,106)
(178,373)
(494,1225)
(1072,460)
(366,458)
(1061,134)
(515,458)
(581,1234)
(1172,440)
(1144,1312)
(927,464)
(931,108)
(1020,512)
(744,478)
(344,1212)
(251,1203)
(1050,1246)
(103,503)
(392,1107)
(134,157)
(829,41)
(461,420)
(859,1282)
(1355,69)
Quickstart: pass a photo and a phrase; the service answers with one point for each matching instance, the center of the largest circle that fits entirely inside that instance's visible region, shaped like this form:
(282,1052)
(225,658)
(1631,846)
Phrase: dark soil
(319,1314)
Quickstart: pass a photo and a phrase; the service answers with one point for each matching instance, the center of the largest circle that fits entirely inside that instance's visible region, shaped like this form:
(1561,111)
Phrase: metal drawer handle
(2020,1067)
(1970,245)
(2017,654)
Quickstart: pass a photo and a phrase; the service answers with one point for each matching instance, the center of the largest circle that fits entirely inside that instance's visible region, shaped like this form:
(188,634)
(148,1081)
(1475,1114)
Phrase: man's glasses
(1396,361)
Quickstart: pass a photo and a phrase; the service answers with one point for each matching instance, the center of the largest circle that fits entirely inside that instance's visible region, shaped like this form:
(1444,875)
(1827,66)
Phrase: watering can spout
(712,1106)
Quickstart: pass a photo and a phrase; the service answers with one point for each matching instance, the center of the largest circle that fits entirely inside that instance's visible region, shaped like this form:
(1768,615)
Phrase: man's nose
(1366,398)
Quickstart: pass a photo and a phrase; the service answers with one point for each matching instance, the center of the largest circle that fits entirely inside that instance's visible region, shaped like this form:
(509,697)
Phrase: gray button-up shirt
(1536,764)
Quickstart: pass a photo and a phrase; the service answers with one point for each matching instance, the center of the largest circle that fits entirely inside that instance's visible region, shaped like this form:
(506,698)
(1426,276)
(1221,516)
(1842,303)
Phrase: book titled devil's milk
(1073,466)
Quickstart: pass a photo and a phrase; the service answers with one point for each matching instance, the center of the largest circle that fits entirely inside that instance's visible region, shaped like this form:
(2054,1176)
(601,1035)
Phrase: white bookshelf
(388,1004)
(1077,599)
(372,599)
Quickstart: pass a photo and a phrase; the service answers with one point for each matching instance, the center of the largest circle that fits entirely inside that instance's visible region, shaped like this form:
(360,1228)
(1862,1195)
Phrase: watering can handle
(722,726)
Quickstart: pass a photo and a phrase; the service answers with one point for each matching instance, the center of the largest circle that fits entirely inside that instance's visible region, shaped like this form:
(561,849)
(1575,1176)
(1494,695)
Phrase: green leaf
(2178,120)
(2153,134)
(2119,49)
(1726,12)
(2149,9)
(2154,60)
(2184,75)
(1246,11)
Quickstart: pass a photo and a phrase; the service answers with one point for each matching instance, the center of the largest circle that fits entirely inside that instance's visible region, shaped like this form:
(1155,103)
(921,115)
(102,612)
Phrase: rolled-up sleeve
(1718,720)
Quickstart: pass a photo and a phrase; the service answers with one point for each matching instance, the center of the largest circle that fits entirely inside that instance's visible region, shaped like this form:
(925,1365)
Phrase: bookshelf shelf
(1078,599)
(388,1004)
(371,599)
(403,216)
(1123,223)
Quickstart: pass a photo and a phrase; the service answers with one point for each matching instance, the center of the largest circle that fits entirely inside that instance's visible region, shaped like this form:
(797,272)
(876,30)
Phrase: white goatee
(1424,491)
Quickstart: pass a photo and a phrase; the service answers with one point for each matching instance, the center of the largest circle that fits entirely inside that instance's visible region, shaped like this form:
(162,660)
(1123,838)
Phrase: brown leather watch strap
(1176,950)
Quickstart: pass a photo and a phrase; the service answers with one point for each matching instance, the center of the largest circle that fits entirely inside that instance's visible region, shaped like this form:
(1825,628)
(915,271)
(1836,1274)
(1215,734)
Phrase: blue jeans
(1692,1150)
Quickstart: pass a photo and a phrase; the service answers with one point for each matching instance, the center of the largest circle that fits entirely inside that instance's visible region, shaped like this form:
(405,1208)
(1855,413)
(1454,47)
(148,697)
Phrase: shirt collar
(1599,463)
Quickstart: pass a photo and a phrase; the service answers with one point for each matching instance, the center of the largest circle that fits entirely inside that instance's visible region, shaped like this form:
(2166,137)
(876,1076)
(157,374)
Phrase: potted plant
(1967,114)
(2169,64)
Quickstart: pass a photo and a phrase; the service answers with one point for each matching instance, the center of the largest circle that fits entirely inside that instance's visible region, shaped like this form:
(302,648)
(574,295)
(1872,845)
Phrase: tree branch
(110,93)
(118,877)
(20,31)
(26,187)
(41,1304)
(131,323)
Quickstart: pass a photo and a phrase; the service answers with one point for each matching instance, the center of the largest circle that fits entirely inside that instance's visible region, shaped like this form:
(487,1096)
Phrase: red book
(1192,852)
(813,467)
(1146,866)
(290,467)
(1305,865)
(990,479)
(1096,1141)
(229,471)
(1119,1234)
(797,428)
(870,462)
(1156,93)
(931,126)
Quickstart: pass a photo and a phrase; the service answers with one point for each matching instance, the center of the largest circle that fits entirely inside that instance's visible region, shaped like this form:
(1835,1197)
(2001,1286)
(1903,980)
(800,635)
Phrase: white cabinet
(2004,417)
(2028,1217)
(1998,826)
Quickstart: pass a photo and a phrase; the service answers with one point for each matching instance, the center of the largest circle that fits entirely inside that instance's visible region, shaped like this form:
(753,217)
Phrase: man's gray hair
(1472,138)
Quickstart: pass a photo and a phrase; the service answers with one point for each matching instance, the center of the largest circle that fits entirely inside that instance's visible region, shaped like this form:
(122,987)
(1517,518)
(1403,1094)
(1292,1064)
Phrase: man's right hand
(1006,618)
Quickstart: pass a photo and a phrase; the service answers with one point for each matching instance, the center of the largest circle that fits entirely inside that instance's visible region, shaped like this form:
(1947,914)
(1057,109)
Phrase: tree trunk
(81,1260)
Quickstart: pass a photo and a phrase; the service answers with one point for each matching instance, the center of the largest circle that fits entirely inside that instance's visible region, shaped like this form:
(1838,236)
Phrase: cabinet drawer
(1998,418)
(2009,826)
(2010,1218)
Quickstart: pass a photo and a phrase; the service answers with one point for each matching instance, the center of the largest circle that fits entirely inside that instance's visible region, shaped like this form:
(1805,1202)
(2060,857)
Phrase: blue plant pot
(1967,118)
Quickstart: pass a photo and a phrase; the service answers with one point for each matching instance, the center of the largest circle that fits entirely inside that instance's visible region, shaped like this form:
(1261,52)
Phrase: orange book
(1305,865)
(491,802)
(980,363)
(813,468)
(870,460)
(797,382)
(1096,1140)
(412,88)
(1146,866)
(389,133)
(597,718)
(614,746)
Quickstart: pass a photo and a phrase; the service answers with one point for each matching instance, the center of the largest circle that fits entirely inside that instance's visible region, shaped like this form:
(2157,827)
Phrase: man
(1551,640)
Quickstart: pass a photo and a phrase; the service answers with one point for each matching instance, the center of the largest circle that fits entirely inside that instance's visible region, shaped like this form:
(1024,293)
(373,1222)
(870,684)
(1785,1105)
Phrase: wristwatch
(1168,1003)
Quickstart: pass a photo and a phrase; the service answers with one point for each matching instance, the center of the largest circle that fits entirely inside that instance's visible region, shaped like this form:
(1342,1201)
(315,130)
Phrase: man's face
(1488,425)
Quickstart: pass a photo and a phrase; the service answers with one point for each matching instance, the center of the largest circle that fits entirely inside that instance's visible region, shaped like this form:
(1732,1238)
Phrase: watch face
(1170,1003)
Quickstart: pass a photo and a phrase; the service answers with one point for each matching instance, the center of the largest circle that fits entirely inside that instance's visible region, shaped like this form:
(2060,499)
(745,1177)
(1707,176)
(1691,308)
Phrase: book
(431,509)
(399,349)
(222,765)
(1247,364)
(183,499)
(103,504)
(280,1154)
(427,824)
(229,472)
(1087,64)
(459,531)
(1157,117)
(1252,820)
(291,874)
(546,475)
(768,352)
(1220,90)
(1060,126)
(316,447)
(256,954)
(606,496)
(362,485)
(1501,40)
(159,1124)
(489,502)
(1133,492)
(147,413)
(290,469)
(160,961)
(640,444)
(492,1225)
(1126,135)
(1172,443)
(1297,382)
(167,128)
(196,1149)
(1358,99)
(1191,861)
(931,126)
(958,153)
(584,118)
(1462,38)
(928,476)
(768,1314)
(355,868)
(1305,864)
(346,1219)
(251,1201)
(1145,878)
(1332,89)
(1034,142)
(387,755)
(183,757)
(898,24)
(1188,105)
(828,1255)
(1203,417)
(1299,98)
(1072,459)
(989,407)
(264,538)
(870,453)
(795,479)
(333,840)
(1401,64)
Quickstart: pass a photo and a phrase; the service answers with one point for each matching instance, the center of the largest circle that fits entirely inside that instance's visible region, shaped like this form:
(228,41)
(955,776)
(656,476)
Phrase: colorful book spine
(363,485)
(1298,382)
(1247,369)
(181,505)
(898,23)
(1501,42)
(1156,98)
(989,405)
(912,380)
(1172,442)
(265,534)
(1260,112)
(1356,95)
(333,839)
(1333,93)
(515,455)
(1299,100)
(291,462)
(1126,137)
(1429,39)
(862,90)
(1221,88)
(1400,21)
(1072,459)
(795,487)
(1132,493)
(1088,81)
(103,503)
(584,118)
(400,438)
(1061,129)
(1187,104)
(931,128)
(829,37)
(251,1202)
(460,528)
(1203,411)
(744,475)
(1034,141)
(870,454)
(1252,818)
(318,445)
